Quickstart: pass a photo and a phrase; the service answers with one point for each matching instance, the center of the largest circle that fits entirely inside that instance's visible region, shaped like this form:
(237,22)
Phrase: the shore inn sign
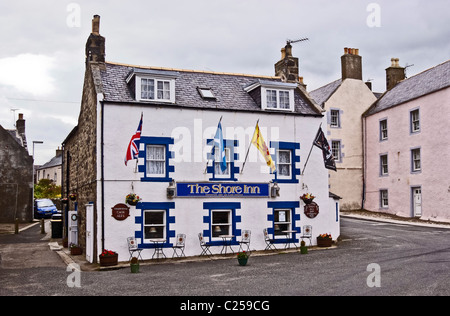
(196,158)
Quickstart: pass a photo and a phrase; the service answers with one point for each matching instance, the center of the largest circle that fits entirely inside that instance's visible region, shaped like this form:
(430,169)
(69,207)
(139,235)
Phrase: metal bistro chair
(181,238)
(307,233)
(245,240)
(269,242)
(205,246)
(133,247)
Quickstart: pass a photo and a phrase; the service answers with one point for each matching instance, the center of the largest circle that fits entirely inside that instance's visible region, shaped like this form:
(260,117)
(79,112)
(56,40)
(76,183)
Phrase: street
(372,258)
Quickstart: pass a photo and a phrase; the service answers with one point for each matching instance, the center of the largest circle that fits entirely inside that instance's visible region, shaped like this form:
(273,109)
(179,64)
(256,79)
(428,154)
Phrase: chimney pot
(96,25)
(283,53)
(346,50)
(394,74)
(351,64)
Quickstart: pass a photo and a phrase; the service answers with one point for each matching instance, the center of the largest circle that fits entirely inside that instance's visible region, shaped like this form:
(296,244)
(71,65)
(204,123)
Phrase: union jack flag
(133,146)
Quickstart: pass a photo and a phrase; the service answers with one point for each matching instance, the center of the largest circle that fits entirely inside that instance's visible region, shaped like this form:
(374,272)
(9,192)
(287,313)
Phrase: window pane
(153,232)
(271,99)
(220,223)
(163,90)
(336,150)
(335,118)
(284,170)
(154,224)
(147,89)
(154,218)
(156,160)
(284,100)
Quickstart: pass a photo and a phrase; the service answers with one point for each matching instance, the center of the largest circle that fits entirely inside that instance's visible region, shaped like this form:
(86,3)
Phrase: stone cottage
(197,171)
(16,175)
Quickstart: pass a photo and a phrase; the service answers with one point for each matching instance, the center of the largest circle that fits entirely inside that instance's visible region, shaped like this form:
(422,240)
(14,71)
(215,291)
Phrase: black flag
(321,142)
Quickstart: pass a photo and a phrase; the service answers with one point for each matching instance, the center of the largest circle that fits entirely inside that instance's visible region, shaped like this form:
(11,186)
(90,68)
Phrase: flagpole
(307,159)
(248,150)
(207,161)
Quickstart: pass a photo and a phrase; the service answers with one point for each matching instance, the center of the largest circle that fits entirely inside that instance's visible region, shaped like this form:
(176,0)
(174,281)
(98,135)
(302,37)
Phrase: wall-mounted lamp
(171,190)
(275,190)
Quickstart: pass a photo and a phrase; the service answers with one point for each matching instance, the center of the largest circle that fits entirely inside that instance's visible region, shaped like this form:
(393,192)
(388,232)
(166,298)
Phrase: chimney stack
(20,125)
(351,64)
(394,74)
(288,67)
(95,45)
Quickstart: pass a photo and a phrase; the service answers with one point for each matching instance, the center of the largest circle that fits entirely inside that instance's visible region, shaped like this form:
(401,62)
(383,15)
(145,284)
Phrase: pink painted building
(407,145)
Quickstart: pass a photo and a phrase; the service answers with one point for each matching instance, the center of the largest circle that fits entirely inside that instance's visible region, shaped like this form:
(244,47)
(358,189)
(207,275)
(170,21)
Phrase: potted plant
(108,258)
(64,200)
(72,196)
(307,198)
(75,250)
(303,248)
(134,264)
(132,199)
(324,240)
(242,258)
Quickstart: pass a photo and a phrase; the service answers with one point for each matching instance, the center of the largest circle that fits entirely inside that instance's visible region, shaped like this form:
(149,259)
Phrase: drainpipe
(102,166)
(364,140)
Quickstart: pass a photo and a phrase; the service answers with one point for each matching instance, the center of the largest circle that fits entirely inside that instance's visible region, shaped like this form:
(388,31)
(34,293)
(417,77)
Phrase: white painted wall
(195,126)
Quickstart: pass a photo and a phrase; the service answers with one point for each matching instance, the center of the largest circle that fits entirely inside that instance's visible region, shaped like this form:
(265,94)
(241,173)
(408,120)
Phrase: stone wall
(16,180)
(80,152)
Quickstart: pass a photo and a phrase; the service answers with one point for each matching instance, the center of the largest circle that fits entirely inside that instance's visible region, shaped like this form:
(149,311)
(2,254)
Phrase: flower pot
(303,250)
(76,251)
(242,261)
(107,261)
(134,267)
(307,201)
(132,203)
(324,242)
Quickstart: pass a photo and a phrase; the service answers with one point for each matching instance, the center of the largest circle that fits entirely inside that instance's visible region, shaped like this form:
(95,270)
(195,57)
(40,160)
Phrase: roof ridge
(192,70)
(426,70)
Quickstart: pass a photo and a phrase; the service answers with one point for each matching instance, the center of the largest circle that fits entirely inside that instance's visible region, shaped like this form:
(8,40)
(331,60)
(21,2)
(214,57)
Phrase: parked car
(44,208)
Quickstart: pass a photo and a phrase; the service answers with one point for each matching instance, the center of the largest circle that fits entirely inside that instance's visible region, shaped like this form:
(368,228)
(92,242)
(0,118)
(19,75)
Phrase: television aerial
(297,41)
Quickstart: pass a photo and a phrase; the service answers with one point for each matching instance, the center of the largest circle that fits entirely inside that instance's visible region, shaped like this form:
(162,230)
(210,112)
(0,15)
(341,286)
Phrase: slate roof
(55,161)
(228,89)
(322,94)
(426,82)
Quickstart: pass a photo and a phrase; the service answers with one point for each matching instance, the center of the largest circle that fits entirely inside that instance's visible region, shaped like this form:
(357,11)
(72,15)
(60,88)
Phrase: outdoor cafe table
(226,242)
(290,241)
(158,243)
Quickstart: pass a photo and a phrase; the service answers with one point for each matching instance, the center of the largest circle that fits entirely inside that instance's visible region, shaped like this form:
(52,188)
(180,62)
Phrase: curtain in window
(156,160)
(284,163)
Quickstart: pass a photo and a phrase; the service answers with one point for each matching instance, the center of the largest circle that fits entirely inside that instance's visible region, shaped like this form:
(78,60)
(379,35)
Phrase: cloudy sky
(42,45)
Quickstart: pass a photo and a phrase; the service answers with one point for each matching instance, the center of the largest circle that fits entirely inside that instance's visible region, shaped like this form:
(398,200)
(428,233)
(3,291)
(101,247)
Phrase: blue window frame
(154,207)
(283,217)
(282,161)
(232,171)
(156,156)
(221,209)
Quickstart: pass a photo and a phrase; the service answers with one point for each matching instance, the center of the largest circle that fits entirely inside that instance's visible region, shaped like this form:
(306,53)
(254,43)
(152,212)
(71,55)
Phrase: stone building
(182,186)
(16,175)
(51,170)
(344,101)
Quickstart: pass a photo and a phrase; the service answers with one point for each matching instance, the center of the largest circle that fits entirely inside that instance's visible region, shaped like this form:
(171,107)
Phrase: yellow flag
(259,142)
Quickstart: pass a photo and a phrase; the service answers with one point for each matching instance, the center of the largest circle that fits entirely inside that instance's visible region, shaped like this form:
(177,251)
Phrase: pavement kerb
(86,266)
(406,221)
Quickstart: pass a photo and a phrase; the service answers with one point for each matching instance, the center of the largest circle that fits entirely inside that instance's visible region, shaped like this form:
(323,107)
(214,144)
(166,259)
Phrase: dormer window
(278,99)
(277,96)
(153,85)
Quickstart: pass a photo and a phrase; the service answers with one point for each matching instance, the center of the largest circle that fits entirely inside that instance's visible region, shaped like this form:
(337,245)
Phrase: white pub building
(187,183)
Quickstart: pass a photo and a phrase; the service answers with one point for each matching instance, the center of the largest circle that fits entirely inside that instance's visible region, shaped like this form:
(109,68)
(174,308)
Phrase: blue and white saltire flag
(220,146)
